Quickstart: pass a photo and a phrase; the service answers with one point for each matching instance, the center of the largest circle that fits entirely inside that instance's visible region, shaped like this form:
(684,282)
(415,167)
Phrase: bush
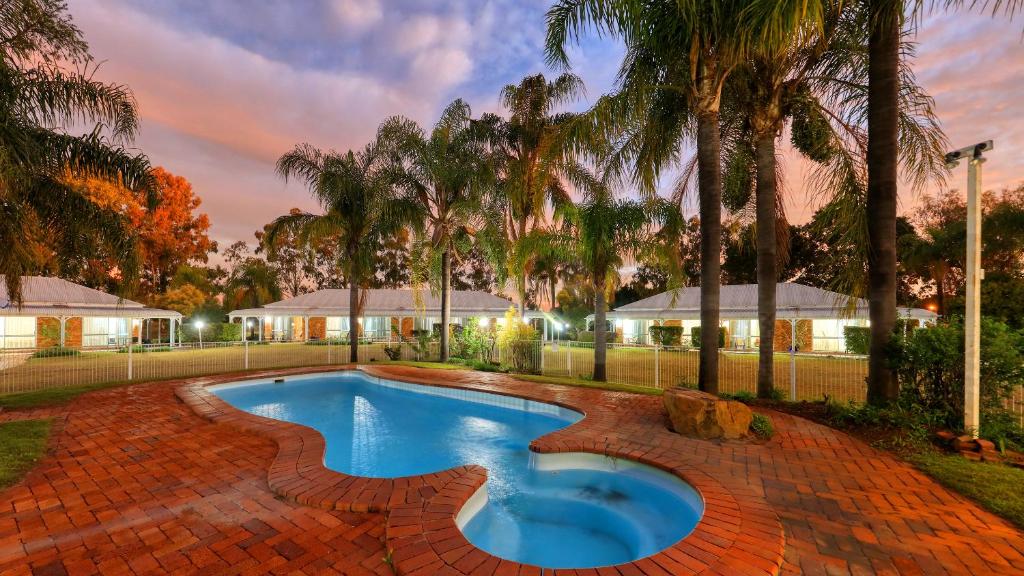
(393,352)
(930,366)
(138,349)
(55,352)
(695,336)
(761,426)
(471,342)
(585,336)
(213,332)
(520,343)
(858,339)
(666,335)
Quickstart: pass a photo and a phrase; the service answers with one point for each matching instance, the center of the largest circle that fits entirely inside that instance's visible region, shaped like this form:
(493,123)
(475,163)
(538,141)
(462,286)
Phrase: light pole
(975,274)
(199,328)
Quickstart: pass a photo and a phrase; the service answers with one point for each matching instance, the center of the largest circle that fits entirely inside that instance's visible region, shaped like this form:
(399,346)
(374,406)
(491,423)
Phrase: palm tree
(252,283)
(41,211)
(885,155)
(361,210)
(598,233)
(534,159)
(678,58)
(446,174)
(818,84)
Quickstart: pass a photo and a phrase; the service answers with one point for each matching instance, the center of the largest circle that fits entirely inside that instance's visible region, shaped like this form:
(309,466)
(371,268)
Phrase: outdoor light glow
(198,324)
(618,323)
(483,322)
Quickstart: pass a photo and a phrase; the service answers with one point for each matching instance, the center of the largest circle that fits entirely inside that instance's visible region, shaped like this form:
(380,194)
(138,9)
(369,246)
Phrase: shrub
(858,339)
(695,336)
(585,336)
(930,366)
(761,426)
(520,343)
(213,332)
(666,335)
(138,349)
(55,352)
(471,342)
(393,352)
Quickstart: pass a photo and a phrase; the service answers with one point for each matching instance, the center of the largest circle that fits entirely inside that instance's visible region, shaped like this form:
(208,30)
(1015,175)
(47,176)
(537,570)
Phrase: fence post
(568,354)
(130,346)
(542,353)
(657,368)
(792,360)
(328,350)
(246,354)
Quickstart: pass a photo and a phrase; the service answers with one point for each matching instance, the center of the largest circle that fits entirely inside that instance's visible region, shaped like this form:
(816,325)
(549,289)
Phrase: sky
(224,87)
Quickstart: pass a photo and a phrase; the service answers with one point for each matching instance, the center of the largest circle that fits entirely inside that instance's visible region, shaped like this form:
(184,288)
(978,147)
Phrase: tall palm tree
(446,174)
(534,161)
(361,210)
(46,86)
(678,58)
(818,85)
(885,155)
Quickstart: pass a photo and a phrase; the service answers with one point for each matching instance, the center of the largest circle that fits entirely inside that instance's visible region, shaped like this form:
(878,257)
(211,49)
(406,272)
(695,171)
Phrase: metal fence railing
(799,376)
(24,370)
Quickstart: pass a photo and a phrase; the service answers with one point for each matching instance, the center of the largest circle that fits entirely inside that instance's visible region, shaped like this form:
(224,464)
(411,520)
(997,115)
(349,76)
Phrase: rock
(985,445)
(945,436)
(970,455)
(965,442)
(991,456)
(702,415)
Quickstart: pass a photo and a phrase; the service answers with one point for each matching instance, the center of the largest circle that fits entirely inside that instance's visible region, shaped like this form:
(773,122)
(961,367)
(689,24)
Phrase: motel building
(385,315)
(814,317)
(55,312)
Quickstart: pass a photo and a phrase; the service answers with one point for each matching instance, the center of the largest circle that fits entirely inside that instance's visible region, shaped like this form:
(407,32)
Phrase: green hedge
(55,352)
(666,335)
(213,332)
(858,339)
(695,336)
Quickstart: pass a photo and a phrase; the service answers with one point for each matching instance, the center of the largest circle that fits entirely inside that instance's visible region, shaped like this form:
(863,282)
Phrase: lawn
(841,378)
(996,487)
(22,444)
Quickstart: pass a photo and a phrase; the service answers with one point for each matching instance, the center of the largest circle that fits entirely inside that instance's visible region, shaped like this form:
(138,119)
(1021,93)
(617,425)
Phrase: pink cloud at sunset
(224,88)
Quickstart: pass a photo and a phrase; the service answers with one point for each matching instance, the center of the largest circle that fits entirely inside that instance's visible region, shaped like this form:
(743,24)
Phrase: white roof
(382,302)
(46,296)
(740,301)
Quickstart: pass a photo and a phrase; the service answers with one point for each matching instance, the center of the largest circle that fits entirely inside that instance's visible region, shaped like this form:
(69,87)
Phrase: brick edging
(738,533)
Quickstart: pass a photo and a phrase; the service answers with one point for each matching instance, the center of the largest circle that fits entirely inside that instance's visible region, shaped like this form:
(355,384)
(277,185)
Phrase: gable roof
(381,302)
(740,301)
(48,296)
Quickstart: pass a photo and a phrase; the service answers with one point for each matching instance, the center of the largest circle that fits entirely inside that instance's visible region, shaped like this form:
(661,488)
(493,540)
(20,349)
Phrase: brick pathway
(137,482)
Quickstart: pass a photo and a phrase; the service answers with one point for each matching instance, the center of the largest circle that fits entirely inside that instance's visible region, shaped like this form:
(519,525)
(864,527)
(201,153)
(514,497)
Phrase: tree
(678,58)
(886,151)
(598,233)
(535,163)
(446,174)
(46,87)
(361,210)
(184,299)
(173,233)
(294,260)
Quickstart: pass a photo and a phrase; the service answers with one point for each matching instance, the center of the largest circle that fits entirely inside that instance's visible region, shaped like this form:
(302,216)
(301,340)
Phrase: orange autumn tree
(169,235)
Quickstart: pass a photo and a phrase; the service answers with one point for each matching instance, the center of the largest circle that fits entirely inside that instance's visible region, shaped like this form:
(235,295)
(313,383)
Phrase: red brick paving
(137,483)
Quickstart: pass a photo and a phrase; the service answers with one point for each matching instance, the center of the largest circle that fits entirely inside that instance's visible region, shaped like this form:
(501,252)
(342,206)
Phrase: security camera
(953,158)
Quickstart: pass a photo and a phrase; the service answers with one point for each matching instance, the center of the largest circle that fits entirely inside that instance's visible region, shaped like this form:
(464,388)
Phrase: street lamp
(199,328)
(975,274)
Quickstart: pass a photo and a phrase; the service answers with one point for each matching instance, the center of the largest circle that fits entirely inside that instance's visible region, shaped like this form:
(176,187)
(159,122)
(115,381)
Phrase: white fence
(801,376)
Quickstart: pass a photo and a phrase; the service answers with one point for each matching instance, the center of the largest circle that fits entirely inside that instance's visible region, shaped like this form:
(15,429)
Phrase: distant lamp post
(975,274)
(199,328)
(483,322)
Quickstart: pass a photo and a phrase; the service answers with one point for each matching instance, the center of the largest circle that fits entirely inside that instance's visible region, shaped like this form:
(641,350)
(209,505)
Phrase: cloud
(357,14)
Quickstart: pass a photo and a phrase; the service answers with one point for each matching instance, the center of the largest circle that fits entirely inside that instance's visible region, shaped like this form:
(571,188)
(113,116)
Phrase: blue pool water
(555,511)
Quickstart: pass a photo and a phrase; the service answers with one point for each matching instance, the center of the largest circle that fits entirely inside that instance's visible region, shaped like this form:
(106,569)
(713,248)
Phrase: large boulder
(702,415)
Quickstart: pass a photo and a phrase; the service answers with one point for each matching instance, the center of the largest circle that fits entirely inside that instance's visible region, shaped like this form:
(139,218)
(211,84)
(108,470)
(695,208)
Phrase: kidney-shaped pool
(555,511)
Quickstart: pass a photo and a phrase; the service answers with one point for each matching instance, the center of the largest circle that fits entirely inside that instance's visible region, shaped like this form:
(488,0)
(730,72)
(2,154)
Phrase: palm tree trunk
(883,136)
(446,301)
(709,183)
(940,289)
(353,320)
(600,332)
(767,275)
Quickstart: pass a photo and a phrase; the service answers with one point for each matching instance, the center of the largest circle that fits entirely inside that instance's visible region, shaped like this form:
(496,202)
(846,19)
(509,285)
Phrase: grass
(22,444)
(841,378)
(415,364)
(996,487)
(582,383)
(51,396)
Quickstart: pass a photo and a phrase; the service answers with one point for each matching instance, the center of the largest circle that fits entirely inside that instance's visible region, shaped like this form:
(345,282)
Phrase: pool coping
(739,532)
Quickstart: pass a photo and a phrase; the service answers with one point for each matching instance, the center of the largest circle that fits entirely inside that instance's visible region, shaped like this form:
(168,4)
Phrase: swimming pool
(552,510)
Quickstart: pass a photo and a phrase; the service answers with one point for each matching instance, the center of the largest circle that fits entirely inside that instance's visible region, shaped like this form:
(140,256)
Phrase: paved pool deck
(158,478)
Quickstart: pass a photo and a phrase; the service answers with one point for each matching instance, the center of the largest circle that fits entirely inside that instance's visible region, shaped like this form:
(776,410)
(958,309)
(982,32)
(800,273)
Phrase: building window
(337,327)
(17,332)
(104,331)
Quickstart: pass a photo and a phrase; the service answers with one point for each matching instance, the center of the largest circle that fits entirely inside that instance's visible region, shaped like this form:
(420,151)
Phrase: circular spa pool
(554,511)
